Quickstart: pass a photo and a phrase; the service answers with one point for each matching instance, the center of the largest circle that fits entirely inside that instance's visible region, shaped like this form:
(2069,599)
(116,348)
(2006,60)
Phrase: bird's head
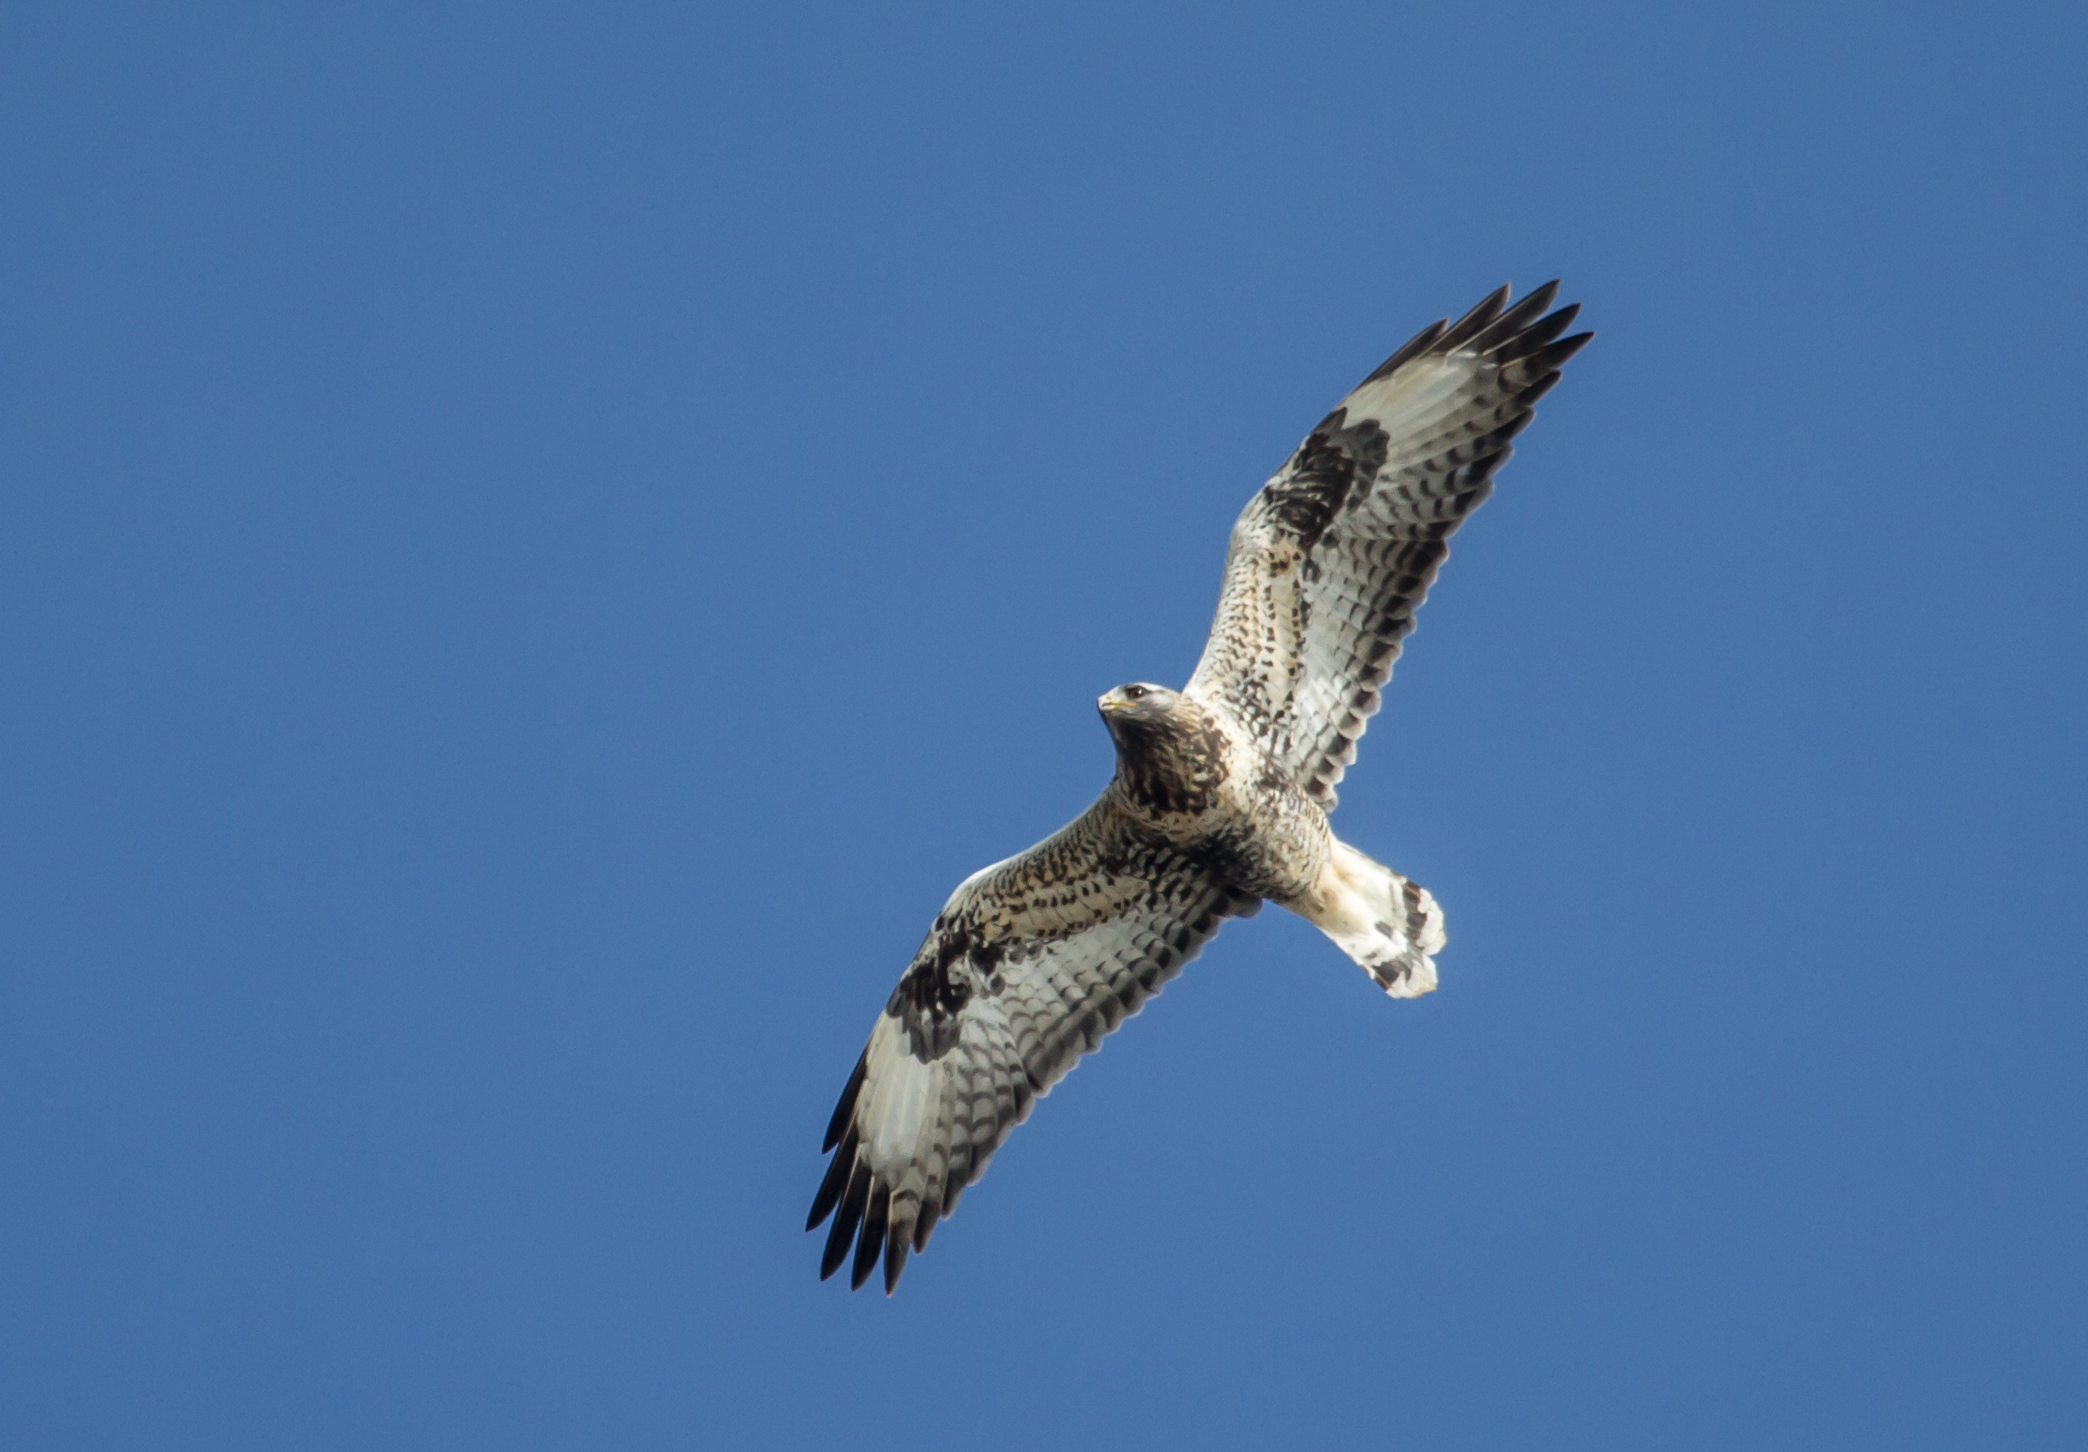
(1136,705)
(1170,752)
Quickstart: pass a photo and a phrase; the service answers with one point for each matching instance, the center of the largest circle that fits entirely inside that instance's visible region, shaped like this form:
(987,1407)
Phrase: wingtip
(834,1182)
(925,1225)
(846,1219)
(1412,348)
(1474,322)
(871,1242)
(1523,329)
(844,1110)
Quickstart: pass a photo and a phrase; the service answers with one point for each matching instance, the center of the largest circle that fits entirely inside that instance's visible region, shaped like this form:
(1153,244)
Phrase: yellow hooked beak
(1111,702)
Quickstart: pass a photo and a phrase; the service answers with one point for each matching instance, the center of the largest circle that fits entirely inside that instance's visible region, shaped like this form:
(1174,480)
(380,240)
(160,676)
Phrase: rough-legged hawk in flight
(1221,793)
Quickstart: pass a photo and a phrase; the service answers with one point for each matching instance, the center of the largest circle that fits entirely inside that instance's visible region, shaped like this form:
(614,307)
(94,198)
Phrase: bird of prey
(1221,792)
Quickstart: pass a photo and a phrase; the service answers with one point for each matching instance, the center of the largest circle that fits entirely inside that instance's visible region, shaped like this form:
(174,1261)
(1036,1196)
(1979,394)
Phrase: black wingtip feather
(1411,349)
(1474,322)
(1530,339)
(871,1242)
(1554,356)
(1529,396)
(838,1125)
(896,1247)
(845,1222)
(1511,323)
(834,1183)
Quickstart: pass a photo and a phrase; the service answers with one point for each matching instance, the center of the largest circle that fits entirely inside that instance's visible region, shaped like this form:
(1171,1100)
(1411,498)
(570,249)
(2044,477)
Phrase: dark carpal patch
(952,965)
(1324,475)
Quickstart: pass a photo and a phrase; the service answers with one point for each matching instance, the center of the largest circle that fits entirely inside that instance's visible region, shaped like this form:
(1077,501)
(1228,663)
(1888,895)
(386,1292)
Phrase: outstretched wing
(1028,966)
(1330,560)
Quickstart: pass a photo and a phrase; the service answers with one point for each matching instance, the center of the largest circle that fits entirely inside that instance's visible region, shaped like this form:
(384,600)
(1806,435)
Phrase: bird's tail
(1389,925)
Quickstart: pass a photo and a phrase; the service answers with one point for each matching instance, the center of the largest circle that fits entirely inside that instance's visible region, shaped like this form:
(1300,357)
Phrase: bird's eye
(1136,693)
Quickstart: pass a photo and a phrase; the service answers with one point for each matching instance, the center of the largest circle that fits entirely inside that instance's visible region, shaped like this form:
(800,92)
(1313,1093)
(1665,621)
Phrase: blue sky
(537,545)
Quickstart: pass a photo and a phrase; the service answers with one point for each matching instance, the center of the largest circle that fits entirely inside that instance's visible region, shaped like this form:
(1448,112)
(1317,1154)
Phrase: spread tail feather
(1389,925)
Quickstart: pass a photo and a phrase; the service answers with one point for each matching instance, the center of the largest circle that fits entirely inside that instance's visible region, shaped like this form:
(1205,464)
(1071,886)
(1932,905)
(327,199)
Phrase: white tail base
(1389,925)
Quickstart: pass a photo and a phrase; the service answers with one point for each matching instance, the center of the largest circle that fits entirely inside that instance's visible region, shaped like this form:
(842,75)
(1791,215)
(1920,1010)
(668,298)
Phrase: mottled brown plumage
(1220,796)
